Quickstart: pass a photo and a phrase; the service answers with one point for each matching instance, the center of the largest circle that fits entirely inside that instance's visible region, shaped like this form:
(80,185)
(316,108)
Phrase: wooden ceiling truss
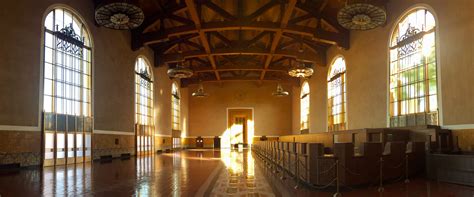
(239,45)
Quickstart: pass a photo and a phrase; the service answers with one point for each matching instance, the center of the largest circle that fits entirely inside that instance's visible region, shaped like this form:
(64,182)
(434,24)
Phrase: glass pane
(49,146)
(433,86)
(432,70)
(48,55)
(70,144)
(88,145)
(60,145)
(79,145)
(48,23)
(433,103)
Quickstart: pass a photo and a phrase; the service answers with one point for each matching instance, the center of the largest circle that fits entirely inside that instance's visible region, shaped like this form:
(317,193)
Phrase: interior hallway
(188,173)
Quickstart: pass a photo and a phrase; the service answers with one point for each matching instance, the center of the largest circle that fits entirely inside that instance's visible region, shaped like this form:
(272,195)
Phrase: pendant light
(280,92)
(300,69)
(181,70)
(199,93)
(119,14)
(361,16)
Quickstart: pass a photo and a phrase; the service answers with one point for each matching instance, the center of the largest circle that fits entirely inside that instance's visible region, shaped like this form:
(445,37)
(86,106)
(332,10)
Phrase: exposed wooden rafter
(173,57)
(278,34)
(224,41)
(202,35)
(190,81)
(319,35)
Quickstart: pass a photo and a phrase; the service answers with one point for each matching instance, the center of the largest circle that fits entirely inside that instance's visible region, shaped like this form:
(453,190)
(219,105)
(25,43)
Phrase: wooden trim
(113,132)
(458,126)
(19,128)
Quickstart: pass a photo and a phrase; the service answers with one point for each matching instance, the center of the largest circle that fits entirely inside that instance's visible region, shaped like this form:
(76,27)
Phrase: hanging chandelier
(300,70)
(280,92)
(361,16)
(119,15)
(180,71)
(199,92)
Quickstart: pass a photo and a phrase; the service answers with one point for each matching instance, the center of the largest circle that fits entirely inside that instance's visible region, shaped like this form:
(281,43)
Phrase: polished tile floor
(188,173)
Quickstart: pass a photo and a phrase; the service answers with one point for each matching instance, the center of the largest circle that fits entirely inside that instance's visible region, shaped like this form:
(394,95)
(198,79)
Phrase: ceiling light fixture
(181,70)
(361,16)
(119,15)
(300,69)
(199,92)
(280,92)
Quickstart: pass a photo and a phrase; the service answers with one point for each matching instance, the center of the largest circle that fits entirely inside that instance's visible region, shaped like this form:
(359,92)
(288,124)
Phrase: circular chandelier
(199,92)
(301,70)
(180,71)
(280,92)
(119,15)
(361,16)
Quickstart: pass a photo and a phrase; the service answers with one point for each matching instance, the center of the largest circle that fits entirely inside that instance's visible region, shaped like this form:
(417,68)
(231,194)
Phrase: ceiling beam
(262,10)
(202,35)
(300,18)
(316,34)
(163,47)
(289,80)
(153,20)
(277,36)
(237,68)
(258,37)
(226,41)
(219,10)
(180,19)
(194,45)
(316,48)
(308,8)
(306,57)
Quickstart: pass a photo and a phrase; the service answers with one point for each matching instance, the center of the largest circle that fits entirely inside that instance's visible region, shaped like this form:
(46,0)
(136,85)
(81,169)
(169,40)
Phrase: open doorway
(239,127)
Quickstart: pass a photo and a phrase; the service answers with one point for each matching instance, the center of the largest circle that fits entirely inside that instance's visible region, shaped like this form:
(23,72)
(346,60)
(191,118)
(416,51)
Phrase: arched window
(337,95)
(413,71)
(175,115)
(304,107)
(144,124)
(67,88)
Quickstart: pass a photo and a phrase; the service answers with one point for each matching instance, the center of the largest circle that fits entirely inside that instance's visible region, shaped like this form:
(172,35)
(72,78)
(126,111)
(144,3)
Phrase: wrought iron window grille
(68,40)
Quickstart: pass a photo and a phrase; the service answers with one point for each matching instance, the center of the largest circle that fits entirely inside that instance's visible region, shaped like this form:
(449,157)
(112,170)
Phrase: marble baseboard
(23,158)
(115,152)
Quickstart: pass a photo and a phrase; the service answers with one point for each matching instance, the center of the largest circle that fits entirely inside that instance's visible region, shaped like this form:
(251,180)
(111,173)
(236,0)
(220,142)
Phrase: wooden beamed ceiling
(240,39)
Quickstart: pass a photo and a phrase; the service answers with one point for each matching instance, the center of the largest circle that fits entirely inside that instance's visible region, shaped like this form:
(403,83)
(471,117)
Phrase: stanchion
(297,175)
(337,180)
(406,169)
(381,189)
(283,166)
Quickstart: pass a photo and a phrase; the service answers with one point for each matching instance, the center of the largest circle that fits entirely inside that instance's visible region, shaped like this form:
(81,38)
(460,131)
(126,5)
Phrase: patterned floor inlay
(240,177)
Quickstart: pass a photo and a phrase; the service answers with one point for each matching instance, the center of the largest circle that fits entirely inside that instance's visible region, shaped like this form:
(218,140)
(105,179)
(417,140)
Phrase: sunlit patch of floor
(241,177)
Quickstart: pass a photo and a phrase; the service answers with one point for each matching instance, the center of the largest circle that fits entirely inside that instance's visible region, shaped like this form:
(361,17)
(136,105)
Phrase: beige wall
(367,69)
(162,106)
(272,115)
(113,66)
(113,80)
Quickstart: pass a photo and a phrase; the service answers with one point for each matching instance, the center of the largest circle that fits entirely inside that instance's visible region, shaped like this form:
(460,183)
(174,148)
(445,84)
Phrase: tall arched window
(144,124)
(175,115)
(67,88)
(413,71)
(337,95)
(304,107)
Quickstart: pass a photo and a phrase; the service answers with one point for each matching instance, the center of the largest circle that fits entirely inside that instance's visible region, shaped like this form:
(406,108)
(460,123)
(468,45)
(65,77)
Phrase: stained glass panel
(304,106)
(413,69)
(337,95)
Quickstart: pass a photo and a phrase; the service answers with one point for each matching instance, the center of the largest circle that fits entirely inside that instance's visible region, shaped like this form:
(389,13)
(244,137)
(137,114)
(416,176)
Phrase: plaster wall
(272,115)
(367,69)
